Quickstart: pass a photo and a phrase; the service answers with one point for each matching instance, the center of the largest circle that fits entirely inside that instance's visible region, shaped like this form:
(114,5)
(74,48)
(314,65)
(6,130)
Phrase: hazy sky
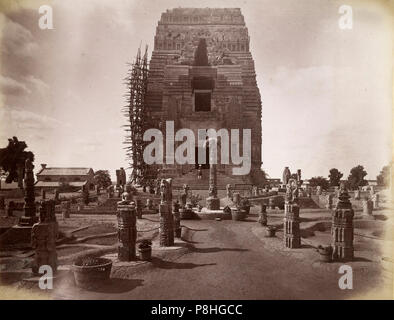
(326,92)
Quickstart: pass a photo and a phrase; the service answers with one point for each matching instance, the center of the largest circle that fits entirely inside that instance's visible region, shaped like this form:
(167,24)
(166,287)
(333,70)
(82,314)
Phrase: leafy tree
(335,177)
(201,55)
(102,179)
(14,156)
(319,181)
(356,177)
(383,179)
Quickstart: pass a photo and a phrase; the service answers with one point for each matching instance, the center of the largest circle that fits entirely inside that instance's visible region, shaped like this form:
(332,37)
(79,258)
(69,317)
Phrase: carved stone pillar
(166,230)
(29,218)
(342,228)
(263,219)
(127,230)
(43,237)
(213,202)
(291,226)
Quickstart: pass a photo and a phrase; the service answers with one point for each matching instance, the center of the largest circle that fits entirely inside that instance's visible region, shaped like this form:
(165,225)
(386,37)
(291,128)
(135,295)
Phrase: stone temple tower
(217,92)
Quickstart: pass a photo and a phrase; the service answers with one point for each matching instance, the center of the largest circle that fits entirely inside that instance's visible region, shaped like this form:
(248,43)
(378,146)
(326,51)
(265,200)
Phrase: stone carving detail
(43,237)
(342,227)
(177,220)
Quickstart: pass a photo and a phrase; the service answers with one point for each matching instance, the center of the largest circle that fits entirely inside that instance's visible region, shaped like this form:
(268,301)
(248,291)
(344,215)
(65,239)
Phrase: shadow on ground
(117,285)
(163,264)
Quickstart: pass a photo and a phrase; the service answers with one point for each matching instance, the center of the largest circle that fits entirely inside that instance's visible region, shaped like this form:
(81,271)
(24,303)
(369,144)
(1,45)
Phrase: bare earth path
(228,261)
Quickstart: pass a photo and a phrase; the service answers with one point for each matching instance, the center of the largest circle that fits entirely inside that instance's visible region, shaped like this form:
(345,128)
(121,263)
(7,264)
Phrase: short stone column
(357,195)
(177,220)
(376,199)
(139,208)
(127,230)
(43,194)
(166,229)
(43,237)
(263,219)
(330,198)
(291,226)
(66,206)
(342,228)
(271,203)
(367,207)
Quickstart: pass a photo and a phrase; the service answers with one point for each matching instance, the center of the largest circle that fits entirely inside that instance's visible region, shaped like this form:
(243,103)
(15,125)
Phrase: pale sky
(326,92)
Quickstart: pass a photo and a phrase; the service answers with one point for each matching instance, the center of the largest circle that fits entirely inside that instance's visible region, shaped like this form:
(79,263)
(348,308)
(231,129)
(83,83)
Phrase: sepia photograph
(188,150)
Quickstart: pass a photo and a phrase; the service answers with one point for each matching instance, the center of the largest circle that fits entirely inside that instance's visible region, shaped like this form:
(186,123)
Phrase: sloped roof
(54,184)
(64,171)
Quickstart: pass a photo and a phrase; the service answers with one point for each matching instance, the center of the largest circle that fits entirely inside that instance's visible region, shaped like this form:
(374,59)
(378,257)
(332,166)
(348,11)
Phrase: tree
(102,179)
(319,181)
(201,55)
(356,177)
(12,159)
(335,177)
(383,179)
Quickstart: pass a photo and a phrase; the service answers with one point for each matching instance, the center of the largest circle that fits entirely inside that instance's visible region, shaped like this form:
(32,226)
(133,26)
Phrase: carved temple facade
(221,94)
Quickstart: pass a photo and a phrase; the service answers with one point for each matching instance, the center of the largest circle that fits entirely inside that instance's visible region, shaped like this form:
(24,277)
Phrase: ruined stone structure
(342,227)
(220,93)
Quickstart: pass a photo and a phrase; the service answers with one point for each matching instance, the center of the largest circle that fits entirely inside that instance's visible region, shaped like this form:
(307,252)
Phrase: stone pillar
(10,208)
(330,198)
(19,168)
(229,191)
(271,203)
(213,202)
(2,203)
(85,195)
(127,229)
(177,220)
(367,207)
(57,195)
(139,208)
(357,194)
(263,220)
(65,206)
(291,226)
(43,194)
(375,200)
(342,228)
(166,230)
(29,218)
(43,237)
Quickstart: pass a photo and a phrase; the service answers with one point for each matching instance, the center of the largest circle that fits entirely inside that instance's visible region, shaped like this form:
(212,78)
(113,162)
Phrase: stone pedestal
(213,203)
(166,230)
(342,228)
(291,226)
(127,231)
